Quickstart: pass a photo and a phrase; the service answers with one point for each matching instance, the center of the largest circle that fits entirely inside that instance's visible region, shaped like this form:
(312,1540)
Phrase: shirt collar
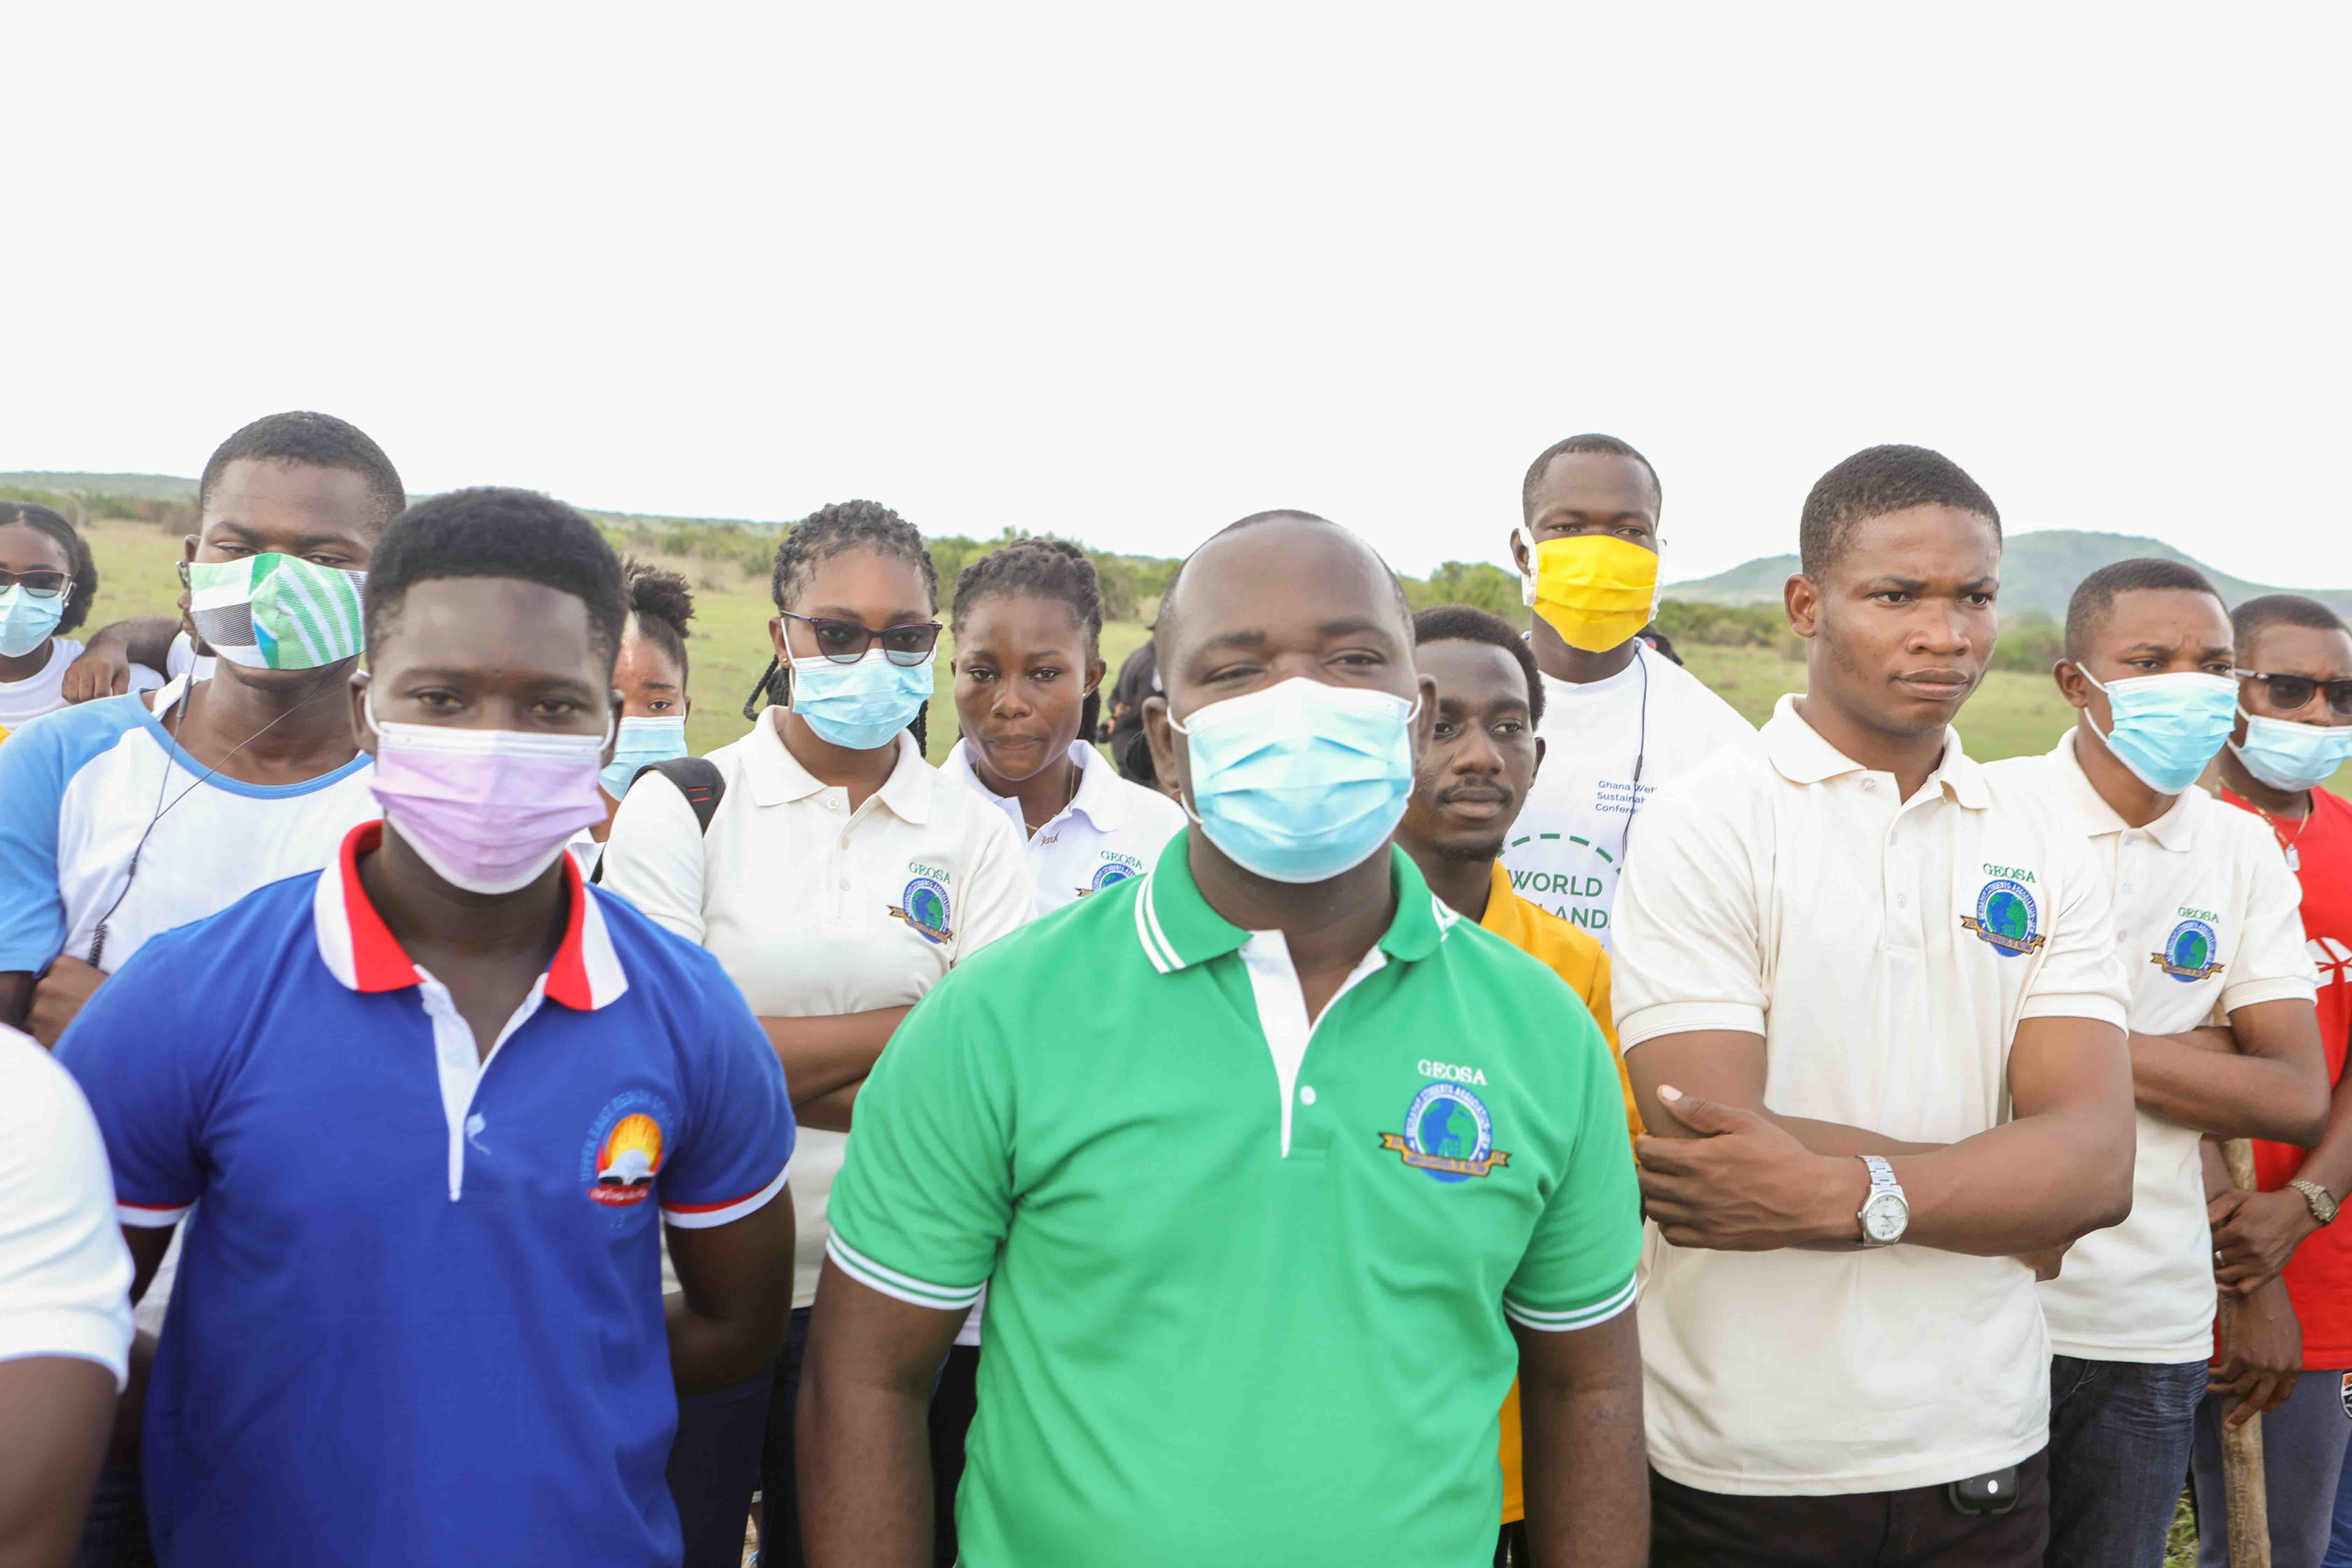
(777,777)
(1801,755)
(1179,929)
(1101,796)
(2175,830)
(360,951)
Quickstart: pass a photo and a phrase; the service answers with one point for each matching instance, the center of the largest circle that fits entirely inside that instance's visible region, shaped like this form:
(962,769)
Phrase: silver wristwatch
(1885,1213)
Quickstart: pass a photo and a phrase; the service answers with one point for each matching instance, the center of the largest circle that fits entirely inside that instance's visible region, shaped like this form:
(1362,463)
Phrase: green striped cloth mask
(276,612)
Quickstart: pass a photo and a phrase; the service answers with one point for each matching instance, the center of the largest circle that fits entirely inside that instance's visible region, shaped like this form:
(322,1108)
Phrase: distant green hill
(2038,572)
(139,487)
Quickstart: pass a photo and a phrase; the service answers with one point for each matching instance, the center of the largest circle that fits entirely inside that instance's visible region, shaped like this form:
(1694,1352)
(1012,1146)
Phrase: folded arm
(1732,1177)
(2263,1077)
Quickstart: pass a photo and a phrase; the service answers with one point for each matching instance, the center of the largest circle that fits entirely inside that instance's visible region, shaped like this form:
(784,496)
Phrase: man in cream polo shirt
(2224,1039)
(1870,1004)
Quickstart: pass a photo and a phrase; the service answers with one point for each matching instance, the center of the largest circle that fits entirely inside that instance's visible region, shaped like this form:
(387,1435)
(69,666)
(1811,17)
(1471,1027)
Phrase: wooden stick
(2244,1491)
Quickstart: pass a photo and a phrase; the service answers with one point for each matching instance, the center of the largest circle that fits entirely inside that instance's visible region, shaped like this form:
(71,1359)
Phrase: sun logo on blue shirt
(627,1157)
(2006,918)
(924,906)
(1448,1134)
(2188,954)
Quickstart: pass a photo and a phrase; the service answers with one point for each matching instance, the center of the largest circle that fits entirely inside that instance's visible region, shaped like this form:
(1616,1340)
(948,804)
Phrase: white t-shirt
(2208,919)
(1582,818)
(1886,950)
(816,911)
(22,701)
(1112,829)
(78,791)
(65,1274)
(182,661)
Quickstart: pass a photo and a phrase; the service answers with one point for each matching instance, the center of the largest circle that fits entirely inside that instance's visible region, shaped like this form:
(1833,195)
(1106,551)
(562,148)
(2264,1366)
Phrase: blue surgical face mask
(641,743)
(859,707)
(25,623)
(2166,728)
(2293,757)
(1300,781)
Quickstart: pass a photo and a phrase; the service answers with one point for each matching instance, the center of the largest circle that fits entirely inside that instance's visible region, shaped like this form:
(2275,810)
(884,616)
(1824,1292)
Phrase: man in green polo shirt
(1268,1166)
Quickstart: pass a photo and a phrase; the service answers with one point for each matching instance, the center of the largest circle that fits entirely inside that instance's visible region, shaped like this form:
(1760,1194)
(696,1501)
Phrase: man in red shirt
(2295,698)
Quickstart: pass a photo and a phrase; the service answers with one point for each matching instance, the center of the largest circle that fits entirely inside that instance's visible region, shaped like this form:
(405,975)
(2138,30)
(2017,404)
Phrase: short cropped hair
(2094,597)
(79,565)
(1872,483)
(1607,445)
(318,440)
(1041,568)
(497,532)
(2281,610)
(1466,623)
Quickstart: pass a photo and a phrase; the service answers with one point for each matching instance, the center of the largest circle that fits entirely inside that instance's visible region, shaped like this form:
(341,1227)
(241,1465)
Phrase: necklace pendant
(2294,860)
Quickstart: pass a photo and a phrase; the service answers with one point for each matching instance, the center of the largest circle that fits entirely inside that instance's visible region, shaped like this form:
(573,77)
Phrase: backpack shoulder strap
(697,778)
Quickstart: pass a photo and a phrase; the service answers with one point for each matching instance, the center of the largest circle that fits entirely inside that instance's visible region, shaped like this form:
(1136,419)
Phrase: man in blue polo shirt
(429,1100)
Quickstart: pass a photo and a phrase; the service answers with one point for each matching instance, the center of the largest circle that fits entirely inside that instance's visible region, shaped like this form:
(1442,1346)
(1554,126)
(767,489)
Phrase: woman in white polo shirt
(840,876)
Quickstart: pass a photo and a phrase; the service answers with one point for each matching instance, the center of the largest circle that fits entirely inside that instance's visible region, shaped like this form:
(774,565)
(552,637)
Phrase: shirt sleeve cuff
(703,1216)
(1599,1312)
(2279,988)
(2095,1005)
(1688,1018)
(897,1286)
(92,1333)
(151,1217)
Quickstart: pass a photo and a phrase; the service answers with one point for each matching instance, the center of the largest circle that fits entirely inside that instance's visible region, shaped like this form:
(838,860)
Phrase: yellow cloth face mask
(1595,590)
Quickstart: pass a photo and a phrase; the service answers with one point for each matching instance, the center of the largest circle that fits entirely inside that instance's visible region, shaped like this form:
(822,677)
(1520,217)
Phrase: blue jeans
(2120,1434)
(2304,1447)
(2339,1543)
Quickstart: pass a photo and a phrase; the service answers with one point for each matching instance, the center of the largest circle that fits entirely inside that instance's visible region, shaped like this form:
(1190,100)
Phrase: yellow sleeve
(1596,998)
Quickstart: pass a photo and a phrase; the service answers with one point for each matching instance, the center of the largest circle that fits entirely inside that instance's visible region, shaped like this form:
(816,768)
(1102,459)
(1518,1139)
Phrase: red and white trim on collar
(360,951)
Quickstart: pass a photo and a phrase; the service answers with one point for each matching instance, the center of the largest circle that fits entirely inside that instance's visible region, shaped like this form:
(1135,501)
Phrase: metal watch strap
(2318,1199)
(1882,1180)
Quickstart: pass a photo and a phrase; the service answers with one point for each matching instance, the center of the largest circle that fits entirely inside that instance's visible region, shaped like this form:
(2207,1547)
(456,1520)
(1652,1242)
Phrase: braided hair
(78,565)
(660,604)
(1041,569)
(828,531)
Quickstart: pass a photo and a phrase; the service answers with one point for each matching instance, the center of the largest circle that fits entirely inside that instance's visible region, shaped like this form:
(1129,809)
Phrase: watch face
(1885,1218)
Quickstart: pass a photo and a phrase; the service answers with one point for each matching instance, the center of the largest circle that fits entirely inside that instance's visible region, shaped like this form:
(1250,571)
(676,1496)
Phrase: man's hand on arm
(2256,1233)
(59,997)
(863,1439)
(1586,1467)
(728,1319)
(103,669)
(2061,1168)
(2261,1078)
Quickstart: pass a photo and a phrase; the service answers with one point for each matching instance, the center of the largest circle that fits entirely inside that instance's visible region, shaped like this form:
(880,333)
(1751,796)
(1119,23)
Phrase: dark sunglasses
(2292,691)
(39,585)
(845,642)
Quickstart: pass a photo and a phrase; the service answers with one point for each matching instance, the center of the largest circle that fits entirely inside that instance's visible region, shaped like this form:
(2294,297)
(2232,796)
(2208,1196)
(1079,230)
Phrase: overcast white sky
(1127,273)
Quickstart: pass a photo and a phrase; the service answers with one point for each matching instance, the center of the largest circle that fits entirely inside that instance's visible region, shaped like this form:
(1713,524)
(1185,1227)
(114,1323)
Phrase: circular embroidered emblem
(1110,874)
(924,906)
(2188,954)
(2006,918)
(1448,1127)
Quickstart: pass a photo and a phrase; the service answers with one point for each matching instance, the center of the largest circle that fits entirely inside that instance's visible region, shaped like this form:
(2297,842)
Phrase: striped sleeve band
(702,1216)
(899,1287)
(151,1217)
(1601,1311)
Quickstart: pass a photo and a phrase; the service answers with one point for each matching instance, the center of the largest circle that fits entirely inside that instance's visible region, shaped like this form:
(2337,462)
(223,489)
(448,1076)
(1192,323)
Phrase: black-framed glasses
(2292,691)
(845,642)
(43,584)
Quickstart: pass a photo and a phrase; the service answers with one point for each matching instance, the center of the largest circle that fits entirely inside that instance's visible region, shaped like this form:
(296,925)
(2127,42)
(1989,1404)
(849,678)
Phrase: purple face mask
(488,810)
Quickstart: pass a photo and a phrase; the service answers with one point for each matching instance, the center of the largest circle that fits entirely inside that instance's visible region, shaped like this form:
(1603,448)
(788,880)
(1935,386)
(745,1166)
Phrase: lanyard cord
(1641,754)
(180,706)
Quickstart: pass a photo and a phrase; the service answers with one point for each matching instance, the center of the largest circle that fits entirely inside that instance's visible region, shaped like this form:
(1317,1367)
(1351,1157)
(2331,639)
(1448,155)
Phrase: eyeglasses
(845,642)
(2292,691)
(38,584)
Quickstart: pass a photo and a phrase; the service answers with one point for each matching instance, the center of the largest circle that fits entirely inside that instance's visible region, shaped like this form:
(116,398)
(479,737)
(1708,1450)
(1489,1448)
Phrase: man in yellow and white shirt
(1483,754)
(1870,1001)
